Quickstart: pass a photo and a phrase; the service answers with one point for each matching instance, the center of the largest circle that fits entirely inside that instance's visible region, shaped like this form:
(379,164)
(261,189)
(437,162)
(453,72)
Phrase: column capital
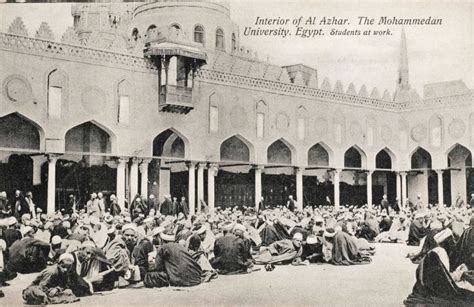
(337,170)
(190,164)
(403,173)
(213,166)
(298,169)
(135,160)
(122,160)
(258,167)
(201,165)
(439,171)
(52,158)
(146,161)
(370,171)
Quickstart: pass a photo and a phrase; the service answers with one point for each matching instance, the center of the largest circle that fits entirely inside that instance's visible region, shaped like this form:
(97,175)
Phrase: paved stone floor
(385,282)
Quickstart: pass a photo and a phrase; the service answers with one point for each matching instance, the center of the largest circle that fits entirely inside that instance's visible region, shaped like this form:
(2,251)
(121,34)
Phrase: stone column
(144,174)
(200,185)
(369,189)
(258,185)
(120,188)
(439,172)
(398,188)
(299,187)
(191,186)
(51,204)
(37,162)
(337,177)
(211,173)
(133,179)
(404,189)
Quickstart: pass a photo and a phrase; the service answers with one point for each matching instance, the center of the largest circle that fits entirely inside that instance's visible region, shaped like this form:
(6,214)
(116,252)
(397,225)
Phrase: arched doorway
(85,167)
(20,160)
(353,185)
(384,179)
(460,174)
(169,178)
(421,181)
(235,182)
(317,183)
(278,181)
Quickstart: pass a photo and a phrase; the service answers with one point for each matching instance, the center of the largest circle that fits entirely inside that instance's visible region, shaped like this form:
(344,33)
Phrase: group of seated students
(80,254)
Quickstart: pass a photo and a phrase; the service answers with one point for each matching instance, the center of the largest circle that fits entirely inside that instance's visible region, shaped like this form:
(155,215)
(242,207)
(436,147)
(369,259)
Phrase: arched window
(261,112)
(301,114)
(135,34)
(176,26)
(234,42)
(436,131)
(150,28)
(124,92)
(213,112)
(220,39)
(199,34)
(57,82)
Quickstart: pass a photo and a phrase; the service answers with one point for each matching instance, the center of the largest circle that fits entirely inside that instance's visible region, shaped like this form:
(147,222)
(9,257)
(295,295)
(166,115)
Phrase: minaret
(402,82)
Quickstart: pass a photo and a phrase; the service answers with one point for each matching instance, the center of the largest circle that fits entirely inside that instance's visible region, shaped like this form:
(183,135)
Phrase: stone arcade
(162,98)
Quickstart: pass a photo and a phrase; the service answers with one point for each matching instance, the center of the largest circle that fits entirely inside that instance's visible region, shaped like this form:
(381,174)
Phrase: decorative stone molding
(44,32)
(17,89)
(418,133)
(17,27)
(457,128)
(70,37)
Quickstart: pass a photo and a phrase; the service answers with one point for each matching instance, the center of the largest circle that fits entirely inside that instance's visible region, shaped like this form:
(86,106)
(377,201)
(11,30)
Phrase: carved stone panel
(457,128)
(418,133)
(17,89)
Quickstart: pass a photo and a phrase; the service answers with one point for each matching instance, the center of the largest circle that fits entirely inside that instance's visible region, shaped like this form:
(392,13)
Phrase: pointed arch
(236,148)
(171,143)
(459,155)
(19,131)
(355,157)
(385,159)
(280,152)
(420,158)
(320,154)
(436,130)
(90,136)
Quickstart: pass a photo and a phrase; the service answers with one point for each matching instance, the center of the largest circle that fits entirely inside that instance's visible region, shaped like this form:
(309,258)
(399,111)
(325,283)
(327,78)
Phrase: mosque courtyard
(387,281)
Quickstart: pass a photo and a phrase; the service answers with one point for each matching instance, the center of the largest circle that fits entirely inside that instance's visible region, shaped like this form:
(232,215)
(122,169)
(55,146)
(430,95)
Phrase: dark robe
(345,251)
(369,228)
(28,255)
(416,232)
(283,251)
(273,233)
(174,266)
(38,292)
(434,286)
(385,224)
(291,205)
(140,256)
(385,205)
(183,207)
(21,206)
(115,209)
(99,257)
(59,230)
(464,250)
(232,255)
(166,207)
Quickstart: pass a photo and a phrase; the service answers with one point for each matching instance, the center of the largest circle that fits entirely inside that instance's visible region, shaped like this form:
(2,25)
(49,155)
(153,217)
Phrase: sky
(436,53)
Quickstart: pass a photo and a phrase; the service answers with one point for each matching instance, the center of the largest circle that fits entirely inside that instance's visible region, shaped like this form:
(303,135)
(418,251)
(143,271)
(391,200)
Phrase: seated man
(58,284)
(282,251)
(138,248)
(418,229)
(28,255)
(173,266)
(92,265)
(232,252)
(435,285)
(344,250)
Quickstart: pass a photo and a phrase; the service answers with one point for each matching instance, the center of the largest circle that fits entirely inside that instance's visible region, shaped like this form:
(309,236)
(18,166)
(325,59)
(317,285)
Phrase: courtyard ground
(385,282)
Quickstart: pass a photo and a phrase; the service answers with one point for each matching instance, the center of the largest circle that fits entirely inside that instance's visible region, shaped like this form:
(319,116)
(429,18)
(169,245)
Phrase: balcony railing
(176,99)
